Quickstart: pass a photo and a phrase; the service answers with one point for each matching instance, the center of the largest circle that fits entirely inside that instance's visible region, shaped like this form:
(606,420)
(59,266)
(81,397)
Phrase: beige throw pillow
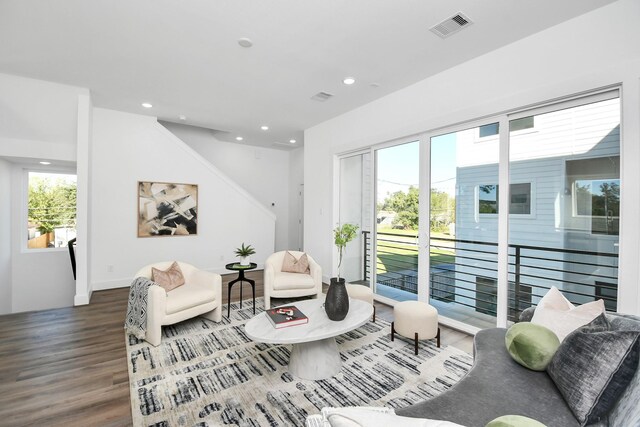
(292,265)
(557,313)
(170,278)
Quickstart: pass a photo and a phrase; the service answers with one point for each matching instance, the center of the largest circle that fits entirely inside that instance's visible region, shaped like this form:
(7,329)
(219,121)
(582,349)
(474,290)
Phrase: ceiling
(183,57)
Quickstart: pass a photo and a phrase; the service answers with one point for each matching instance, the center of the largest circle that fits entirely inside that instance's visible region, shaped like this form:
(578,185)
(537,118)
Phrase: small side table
(234,266)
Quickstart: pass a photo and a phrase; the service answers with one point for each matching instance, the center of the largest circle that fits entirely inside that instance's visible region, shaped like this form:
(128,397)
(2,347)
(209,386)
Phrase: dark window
(521,124)
(609,293)
(489,130)
(519,203)
(486,295)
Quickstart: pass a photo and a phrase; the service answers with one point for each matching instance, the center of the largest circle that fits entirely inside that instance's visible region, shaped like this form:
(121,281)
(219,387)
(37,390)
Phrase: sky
(399,166)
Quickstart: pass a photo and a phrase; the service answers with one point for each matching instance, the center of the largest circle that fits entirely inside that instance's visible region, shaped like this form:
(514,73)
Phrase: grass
(400,256)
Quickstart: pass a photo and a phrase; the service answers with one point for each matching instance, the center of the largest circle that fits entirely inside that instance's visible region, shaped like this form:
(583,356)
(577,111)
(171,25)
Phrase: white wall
(38,121)
(40,278)
(38,118)
(563,60)
(296,198)
(5,237)
(262,172)
(127,148)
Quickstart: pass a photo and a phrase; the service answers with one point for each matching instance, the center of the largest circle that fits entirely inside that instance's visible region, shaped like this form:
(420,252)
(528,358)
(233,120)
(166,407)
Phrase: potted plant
(337,300)
(244,252)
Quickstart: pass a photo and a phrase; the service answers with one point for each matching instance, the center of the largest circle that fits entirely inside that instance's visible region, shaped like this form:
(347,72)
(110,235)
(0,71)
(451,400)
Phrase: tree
(405,205)
(443,210)
(52,203)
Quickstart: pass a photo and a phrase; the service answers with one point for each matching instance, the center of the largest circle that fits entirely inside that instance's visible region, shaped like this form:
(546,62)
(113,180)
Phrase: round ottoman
(415,320)
(363,293)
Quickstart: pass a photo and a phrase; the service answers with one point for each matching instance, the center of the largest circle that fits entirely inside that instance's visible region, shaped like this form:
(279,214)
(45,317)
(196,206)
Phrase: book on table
(282,317)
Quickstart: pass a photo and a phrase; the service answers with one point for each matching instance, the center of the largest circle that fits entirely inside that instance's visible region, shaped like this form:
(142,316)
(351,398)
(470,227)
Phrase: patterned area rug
(210,374)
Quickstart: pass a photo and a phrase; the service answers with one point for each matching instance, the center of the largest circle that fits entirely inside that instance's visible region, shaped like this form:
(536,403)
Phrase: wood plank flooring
(68,366)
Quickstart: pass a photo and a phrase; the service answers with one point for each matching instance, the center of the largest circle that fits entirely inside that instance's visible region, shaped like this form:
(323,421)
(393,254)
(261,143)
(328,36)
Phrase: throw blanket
(136,321)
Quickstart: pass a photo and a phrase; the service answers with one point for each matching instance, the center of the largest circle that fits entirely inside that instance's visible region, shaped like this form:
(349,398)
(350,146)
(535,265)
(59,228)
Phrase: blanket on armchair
(135,322)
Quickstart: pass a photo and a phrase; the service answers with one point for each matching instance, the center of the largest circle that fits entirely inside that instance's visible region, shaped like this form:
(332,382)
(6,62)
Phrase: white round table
(315,354)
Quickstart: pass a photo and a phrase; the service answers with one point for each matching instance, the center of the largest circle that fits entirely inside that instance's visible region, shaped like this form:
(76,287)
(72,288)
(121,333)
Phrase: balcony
(463,276)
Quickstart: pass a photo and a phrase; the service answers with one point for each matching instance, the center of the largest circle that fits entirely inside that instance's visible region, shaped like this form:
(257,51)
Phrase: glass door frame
(503,119)
(425,207)
(424,138)
(337,198)
(422,291)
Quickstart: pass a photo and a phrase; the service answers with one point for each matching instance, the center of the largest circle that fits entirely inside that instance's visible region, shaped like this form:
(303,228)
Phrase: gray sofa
(497,385)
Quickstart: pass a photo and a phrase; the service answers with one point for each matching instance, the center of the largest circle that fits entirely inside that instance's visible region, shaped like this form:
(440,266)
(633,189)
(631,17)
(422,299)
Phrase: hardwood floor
(68,366)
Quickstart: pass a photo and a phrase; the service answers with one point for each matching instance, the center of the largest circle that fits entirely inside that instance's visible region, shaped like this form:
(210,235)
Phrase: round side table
(234,266)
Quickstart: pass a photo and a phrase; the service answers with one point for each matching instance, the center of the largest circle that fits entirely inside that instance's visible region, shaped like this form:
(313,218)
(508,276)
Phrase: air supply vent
(451,25)
(321,96)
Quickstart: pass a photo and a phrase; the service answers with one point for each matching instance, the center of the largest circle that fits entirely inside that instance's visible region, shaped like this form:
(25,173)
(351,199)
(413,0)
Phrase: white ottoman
(415,320)
(363,293)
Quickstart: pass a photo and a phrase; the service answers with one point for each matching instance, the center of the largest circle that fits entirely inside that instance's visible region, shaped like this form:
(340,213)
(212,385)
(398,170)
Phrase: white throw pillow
(363,416)
(557,313)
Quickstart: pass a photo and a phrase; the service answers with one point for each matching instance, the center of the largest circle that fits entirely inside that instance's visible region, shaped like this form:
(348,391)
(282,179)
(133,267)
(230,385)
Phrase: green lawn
(400,256)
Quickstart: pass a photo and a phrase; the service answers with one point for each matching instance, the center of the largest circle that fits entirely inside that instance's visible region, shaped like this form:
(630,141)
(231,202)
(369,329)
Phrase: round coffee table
(315,354)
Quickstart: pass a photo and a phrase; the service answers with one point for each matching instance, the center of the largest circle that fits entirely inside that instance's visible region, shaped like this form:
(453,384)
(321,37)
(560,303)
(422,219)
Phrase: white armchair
(279,284)
(201,295)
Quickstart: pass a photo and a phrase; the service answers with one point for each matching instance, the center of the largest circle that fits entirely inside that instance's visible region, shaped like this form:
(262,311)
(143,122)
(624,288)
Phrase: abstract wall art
(167,209)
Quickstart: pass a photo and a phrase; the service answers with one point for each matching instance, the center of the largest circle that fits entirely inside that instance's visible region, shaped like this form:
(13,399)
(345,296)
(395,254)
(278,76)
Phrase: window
(519,203)
(521,124)
(486,295)
(609,293)
(595,193)
(51,210)
(488,130)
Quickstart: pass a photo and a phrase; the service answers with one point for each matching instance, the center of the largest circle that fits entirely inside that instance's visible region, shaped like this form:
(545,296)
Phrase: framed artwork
(167,209)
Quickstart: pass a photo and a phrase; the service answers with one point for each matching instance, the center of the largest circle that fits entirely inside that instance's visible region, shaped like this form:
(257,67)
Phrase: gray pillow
(592,368)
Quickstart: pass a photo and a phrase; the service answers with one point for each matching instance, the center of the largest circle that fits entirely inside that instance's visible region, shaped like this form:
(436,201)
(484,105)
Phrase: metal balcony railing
(464,272)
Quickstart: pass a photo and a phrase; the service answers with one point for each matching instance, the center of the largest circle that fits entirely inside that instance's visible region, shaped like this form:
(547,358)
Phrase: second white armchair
(282,284)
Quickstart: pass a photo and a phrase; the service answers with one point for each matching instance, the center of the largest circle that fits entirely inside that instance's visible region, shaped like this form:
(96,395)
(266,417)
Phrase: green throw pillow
(514,421)
(531,345)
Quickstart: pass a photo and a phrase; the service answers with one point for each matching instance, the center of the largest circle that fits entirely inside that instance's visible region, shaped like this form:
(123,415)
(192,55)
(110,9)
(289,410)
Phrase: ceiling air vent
(321,96)
(451,25)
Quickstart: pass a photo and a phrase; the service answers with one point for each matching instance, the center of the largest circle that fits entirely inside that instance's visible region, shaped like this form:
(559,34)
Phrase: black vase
(337,302)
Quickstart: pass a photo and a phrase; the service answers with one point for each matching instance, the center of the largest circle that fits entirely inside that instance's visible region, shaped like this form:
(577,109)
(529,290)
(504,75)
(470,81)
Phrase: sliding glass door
(564,204)
(510,207)
(463,225)
(397,171)
(354,208)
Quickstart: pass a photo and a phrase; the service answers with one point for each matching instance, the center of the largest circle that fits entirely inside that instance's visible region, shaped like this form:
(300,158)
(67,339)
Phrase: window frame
(24,207)
(532,195)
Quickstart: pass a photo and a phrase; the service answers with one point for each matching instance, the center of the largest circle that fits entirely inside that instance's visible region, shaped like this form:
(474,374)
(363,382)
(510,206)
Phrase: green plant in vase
(336,303)
(341,236)
(244,252)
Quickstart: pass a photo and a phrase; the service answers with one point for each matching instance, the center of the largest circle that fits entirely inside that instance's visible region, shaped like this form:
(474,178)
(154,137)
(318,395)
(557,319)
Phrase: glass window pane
(397,197)
(463,231)
(489,130)
(51,210)
(571,242)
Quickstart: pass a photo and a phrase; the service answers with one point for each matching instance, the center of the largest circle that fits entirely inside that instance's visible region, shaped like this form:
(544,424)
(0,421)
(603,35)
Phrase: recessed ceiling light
(45,163)
(146,105)
(182,117)
(348,80)
(245,42)
(239,138)
(264,127)
(293,141)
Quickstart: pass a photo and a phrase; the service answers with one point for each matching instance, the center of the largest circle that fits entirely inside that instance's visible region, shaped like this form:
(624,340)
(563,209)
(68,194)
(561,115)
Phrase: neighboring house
(564,197)
(386,218)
